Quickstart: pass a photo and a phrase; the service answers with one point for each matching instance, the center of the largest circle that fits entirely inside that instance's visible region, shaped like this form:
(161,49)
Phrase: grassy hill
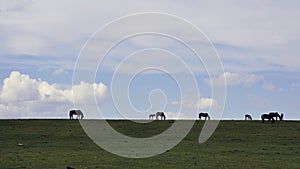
(235,144)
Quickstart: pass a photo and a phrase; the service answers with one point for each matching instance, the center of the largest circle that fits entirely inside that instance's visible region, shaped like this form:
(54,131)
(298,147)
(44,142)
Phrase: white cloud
(296,85)
(86,92)
(174,115)
(202,103)
(174,102)
(13,5)
(28,45)
(22,96)
(19,87)
(233,79)
(205,103)
(268,86)
(59,71)
(268,29)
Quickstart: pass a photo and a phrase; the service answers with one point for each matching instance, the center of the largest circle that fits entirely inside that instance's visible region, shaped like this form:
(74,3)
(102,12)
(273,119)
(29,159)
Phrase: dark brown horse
(78,113)
(276,115)
(161,114)
(248,116)
(204,115)
(267,116)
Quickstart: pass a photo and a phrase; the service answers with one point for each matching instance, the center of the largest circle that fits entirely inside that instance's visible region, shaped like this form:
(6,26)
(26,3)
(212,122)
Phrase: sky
(50,53)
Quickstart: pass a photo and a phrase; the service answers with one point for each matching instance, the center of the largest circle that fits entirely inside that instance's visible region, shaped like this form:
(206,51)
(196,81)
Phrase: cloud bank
(24,97)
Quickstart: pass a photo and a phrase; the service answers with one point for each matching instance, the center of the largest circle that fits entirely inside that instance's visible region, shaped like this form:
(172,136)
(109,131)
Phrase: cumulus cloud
(59,71)
(233,79)
(22,96)
(268,85)
(203,103)
(19,87)
(86,92)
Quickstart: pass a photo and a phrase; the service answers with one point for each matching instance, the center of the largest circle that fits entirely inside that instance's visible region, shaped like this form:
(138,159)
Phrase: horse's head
(281,117)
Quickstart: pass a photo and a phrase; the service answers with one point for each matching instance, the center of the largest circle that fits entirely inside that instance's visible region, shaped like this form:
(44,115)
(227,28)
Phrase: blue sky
(257,41)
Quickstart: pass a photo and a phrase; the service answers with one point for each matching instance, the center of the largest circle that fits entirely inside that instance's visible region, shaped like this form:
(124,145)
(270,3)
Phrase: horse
(161,114)
(276,115)
(248,116)
(204,115)
(78,113)
(267,116)
(151,116)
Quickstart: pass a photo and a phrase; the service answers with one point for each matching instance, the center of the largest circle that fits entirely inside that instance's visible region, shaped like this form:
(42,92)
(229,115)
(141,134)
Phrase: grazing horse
(267,116)
(248,116)
(151,116)
(78,113)
(161,114)
(204,115)
(276,115)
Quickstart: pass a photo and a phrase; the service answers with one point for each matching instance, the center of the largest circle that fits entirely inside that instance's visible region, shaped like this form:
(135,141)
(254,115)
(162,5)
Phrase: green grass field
(235,144)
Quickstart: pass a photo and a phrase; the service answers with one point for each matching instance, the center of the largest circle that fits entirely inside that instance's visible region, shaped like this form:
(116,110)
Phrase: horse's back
(78,112)
(203,114)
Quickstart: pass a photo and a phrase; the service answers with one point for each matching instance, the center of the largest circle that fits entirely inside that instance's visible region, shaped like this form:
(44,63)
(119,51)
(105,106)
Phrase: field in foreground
(235,144)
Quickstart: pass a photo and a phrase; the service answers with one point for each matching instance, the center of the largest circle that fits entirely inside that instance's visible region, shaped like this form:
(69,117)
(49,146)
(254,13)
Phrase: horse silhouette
(151,116)
(248,116)
(78,113)
(276,115)
(204,115)
(161,114)
(267,116)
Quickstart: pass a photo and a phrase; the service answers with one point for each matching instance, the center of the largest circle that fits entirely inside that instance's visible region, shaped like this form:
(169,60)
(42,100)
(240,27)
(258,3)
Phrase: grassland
(235,144)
